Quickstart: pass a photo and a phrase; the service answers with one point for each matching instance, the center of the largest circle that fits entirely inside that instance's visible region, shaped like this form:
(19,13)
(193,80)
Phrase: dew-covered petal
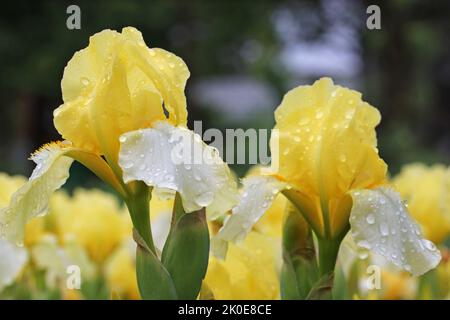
(118,84)
(257,195)
(32,199)
(381,223)
(325,146)
(176,159)
(12,260)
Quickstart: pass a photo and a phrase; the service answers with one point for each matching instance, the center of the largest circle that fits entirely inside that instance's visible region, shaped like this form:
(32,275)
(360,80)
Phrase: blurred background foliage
(243,56)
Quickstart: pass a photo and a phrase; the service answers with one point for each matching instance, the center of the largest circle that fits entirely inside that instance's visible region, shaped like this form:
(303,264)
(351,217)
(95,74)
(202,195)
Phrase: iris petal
(380,222)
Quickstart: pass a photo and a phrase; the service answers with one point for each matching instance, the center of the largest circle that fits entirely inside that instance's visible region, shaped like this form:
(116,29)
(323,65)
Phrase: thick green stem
(139,206)
(328,251)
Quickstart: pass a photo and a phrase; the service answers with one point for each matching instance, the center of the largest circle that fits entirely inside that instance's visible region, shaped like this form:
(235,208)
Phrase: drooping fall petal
(175,159)
(380,222)
(53,162)
(31,200)
(256,197)
(13,259)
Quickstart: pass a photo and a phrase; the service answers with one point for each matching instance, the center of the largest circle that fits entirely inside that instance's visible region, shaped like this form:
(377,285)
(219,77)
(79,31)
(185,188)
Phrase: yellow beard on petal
(327,147)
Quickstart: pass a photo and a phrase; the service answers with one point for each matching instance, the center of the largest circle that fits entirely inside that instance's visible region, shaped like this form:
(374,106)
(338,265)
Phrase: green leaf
(322,290)
(299,271)
(153,279)
(186,251)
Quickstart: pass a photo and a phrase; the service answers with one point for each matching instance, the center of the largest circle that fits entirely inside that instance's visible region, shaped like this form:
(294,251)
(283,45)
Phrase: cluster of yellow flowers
(303,228)
(92,230)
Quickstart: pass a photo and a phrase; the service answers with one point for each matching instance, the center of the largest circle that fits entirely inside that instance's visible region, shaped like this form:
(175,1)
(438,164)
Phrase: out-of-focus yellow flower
(427,192)
(397,286)
(443,274)
(120,274)
(93,218)
(115,85)
(8,185)
(249,271)
(71,294)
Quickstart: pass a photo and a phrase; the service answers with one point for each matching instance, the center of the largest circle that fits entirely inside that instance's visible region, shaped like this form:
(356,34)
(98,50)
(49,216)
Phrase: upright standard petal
(380,222)
(115,85)
(176,159)
(32,199)
(327,146)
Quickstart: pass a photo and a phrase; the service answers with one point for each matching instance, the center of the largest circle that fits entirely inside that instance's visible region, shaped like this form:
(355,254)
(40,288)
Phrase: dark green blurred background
(243,56)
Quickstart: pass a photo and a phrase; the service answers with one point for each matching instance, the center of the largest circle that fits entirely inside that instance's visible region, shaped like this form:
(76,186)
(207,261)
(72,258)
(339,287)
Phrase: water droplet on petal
(363,255)
(370,219)
(364,244)
(384,229)
(128,165)
(429,245)
(85,81)
(204,199)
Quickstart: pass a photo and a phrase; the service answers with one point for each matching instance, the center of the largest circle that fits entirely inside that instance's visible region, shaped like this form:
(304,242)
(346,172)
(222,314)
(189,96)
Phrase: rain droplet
(303,121)
(384,229)
(429,245)
(204,199)
(85,81)
(363,255)
(364,244)
(370,219)
(128,165)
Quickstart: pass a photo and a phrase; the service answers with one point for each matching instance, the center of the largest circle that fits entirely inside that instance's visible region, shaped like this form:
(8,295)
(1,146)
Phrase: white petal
(175,158)
(257,195)
(380,222)
(31,200)
(12,260)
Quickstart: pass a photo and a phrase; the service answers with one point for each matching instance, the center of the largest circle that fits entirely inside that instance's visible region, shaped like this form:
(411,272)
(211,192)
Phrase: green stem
(139,207)
(328,251)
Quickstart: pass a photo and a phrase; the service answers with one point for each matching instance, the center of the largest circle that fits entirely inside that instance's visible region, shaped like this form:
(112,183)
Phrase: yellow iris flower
(116,85)
(427,192)
(325,161)
(327,146)
(93,219)
(124,113)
